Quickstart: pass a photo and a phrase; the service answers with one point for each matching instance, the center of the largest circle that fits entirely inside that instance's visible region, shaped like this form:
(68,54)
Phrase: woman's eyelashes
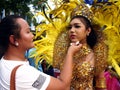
(28,30)
(75,26)
(69,27)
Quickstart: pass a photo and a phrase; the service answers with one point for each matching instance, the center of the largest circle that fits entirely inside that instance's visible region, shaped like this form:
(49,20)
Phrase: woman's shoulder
(90,56)
(27,72)
(28,75)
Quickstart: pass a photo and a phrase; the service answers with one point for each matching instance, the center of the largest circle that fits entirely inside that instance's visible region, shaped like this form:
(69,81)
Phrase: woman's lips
(72,36)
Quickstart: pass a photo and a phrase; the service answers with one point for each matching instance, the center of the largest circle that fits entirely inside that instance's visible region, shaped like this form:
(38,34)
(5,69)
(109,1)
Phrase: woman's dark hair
(8,26)
(92,38)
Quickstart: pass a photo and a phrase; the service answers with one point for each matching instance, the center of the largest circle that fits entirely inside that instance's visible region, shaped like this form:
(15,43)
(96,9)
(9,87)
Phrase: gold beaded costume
(83,73)
(53,43)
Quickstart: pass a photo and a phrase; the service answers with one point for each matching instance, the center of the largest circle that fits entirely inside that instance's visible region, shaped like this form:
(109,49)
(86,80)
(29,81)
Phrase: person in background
(15,40)
(31,60)
(47,68)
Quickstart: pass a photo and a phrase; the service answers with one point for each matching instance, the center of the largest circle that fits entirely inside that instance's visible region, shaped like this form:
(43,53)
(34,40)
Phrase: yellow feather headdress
(48,32)
(62,42)
(106,16)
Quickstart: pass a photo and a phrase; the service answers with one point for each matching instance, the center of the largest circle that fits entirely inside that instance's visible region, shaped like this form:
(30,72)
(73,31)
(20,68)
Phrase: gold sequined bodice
(83,74)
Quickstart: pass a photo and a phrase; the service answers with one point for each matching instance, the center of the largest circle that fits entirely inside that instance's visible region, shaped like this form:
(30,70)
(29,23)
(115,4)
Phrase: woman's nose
(72,29)
(32,35)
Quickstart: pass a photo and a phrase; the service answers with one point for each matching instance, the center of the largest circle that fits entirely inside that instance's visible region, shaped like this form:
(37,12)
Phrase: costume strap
(12,78)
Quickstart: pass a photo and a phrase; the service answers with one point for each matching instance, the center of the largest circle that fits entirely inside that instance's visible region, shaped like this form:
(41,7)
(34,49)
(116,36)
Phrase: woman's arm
(100,82)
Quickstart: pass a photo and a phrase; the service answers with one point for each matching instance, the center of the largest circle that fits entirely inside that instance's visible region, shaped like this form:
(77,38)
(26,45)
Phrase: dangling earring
(16,43)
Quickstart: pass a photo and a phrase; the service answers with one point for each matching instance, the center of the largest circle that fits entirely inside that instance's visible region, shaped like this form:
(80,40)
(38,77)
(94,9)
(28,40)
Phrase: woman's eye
(28,31)
(77,26)
(69,27)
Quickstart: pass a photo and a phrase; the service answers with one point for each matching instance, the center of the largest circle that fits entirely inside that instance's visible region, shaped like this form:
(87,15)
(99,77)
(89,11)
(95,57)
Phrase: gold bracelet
(101,83)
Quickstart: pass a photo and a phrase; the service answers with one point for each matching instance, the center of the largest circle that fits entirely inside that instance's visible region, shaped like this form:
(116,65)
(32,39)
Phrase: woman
(15,39)
(79,30)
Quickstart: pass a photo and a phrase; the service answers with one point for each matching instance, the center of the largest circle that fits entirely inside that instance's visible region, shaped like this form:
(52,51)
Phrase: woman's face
(77,31)
(26,37)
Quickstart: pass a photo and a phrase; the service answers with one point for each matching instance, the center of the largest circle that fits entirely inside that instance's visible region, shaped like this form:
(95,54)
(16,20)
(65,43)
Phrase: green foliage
(16,6)
(38,4)
(20,6)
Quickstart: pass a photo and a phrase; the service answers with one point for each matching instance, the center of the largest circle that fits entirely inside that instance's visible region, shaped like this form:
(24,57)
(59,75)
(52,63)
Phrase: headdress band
(82,10)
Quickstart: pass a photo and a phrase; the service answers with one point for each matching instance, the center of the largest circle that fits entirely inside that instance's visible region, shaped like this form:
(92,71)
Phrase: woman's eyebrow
(75,23)
(28,28)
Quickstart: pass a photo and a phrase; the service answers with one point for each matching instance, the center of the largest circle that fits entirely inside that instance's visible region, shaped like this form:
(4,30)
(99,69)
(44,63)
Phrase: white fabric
(26,75)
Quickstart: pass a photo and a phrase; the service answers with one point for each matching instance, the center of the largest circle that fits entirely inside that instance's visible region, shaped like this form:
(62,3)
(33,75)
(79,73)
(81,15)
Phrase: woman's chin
(32,46)
(74,41)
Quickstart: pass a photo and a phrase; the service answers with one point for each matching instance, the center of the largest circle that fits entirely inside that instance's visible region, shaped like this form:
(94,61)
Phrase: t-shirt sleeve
(29,78)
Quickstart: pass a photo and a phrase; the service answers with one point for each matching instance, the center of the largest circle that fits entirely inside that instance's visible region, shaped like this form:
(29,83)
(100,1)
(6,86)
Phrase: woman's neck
(14,54)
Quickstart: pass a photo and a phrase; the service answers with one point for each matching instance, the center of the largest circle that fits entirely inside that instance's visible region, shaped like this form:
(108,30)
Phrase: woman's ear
(13,40)
(88,31)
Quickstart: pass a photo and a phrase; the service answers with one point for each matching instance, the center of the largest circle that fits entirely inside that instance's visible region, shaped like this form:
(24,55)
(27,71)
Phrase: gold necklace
(85,50)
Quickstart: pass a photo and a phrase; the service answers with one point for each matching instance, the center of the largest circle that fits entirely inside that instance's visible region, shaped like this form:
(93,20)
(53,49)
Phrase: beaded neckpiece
(85,50)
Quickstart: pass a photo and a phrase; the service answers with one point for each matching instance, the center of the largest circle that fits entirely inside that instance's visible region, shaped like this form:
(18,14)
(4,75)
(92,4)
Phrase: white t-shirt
(27,77)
